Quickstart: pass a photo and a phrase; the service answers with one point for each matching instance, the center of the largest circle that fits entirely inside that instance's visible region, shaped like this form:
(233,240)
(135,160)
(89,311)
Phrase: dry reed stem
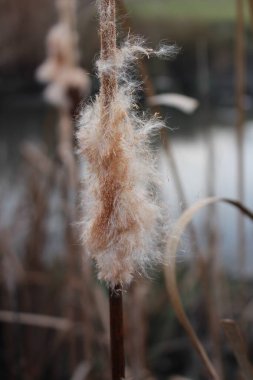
(137,328)
(66,82)
(240,62)
(66,148)
(170,271)
(38,210)
(67,13)
(210,273)
(238,346)
(209,277)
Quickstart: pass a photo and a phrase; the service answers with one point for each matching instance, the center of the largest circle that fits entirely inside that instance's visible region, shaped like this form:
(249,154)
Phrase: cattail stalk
(122,218)
(117,333)
(108,51)
(108,91)
(66,83)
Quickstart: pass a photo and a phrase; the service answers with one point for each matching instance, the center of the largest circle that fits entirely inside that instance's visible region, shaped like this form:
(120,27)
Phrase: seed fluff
(122,215)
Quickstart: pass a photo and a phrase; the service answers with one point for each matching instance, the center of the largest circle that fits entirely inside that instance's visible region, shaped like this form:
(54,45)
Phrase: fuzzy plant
(122,213)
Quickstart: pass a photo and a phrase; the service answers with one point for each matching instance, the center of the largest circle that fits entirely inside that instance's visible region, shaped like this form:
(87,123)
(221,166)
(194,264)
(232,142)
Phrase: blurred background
(53,312)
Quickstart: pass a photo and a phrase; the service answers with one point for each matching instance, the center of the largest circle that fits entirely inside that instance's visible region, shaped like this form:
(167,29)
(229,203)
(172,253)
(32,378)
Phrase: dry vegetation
(54,314)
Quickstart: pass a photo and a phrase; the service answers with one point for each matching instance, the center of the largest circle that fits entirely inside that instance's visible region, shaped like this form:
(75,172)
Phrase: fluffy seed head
(60,70)
(122,214)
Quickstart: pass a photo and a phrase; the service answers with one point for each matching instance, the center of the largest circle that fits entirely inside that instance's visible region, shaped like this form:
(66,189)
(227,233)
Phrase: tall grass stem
(240,91)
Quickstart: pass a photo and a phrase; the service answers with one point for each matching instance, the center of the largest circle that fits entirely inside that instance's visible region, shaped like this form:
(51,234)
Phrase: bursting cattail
(122,213)
(60,70)
(66,81)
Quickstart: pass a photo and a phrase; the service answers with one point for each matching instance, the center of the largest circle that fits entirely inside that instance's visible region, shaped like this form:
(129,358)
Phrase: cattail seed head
(60,70)
(121,211)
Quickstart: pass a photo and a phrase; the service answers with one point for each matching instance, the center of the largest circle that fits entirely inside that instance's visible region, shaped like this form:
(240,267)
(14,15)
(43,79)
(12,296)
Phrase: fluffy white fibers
(121,210)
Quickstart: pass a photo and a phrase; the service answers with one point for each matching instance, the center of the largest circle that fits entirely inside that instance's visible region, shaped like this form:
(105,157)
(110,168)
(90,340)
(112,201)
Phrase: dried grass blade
(183,103)
(170,271)
(35,320)
(238,346)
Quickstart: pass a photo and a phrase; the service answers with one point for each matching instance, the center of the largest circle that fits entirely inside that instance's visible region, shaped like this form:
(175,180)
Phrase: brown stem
(108,50)
(240,90)
(117,333)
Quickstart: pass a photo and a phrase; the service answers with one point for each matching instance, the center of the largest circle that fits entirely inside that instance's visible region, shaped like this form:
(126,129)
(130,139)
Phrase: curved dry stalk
(170,271)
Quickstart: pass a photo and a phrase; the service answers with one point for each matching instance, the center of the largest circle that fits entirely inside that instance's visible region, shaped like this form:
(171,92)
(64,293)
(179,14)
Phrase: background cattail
(60,70)
(66,81)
